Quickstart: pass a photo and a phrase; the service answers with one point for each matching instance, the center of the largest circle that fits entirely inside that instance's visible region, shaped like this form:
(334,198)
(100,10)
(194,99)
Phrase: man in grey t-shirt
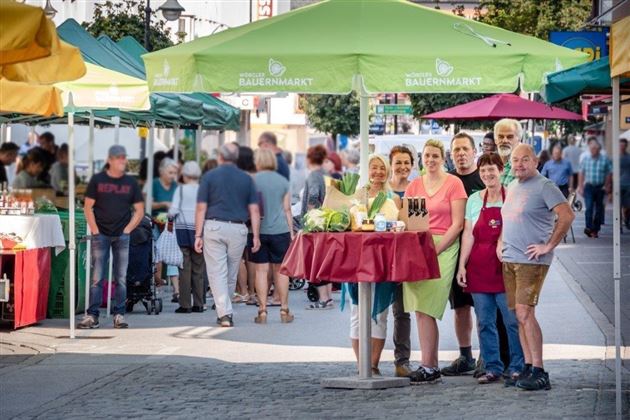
(536,217)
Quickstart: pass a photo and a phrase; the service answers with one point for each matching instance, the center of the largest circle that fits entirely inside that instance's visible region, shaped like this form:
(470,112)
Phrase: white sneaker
(119,321)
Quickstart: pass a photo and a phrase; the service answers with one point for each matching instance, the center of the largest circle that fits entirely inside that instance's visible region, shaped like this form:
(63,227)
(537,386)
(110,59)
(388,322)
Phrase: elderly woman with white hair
(163,190)
(183,210)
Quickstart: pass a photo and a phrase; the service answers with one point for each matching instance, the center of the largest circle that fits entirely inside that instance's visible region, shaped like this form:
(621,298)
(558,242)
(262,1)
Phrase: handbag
(185,237)
(167,249)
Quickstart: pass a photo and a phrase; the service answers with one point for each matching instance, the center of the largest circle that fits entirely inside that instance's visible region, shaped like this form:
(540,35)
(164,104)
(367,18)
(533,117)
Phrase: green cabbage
(325,220)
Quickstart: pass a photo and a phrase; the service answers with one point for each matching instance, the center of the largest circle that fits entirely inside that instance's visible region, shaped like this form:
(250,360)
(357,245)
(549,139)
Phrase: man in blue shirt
(559,170)
(595,180)
(268,140)
(226,200)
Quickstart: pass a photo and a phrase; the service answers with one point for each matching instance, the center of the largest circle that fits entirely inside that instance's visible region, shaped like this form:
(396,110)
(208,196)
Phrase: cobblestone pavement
(176,366)
(214,389)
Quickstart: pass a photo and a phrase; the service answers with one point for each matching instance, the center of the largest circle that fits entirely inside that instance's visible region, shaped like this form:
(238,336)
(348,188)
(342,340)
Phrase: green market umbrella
(370,46)
(322,48)
(592,77)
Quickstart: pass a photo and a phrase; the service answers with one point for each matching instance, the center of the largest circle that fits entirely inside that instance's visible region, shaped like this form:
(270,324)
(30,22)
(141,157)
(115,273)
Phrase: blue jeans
(486,305)
(100,247)
(594,203)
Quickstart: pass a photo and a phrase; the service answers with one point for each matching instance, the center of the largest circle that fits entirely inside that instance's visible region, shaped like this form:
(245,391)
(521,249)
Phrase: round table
(364,258)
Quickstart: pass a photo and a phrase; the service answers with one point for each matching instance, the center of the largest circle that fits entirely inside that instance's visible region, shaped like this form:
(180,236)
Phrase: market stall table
(27,265)
(364,258)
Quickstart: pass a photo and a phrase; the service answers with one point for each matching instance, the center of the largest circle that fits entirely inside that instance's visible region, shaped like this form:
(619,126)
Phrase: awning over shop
(620,48)
(588,78)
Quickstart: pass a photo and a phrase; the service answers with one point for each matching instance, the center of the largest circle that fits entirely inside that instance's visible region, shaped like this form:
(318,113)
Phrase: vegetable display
(326,220)
(348,183)
(378,202)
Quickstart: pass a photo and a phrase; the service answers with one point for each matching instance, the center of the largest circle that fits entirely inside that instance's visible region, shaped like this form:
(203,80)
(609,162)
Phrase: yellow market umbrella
(104,88)
(25,33)
(64,63)
(26,98)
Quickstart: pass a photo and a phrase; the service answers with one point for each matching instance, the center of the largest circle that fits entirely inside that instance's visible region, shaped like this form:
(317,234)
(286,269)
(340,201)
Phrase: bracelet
(199,236)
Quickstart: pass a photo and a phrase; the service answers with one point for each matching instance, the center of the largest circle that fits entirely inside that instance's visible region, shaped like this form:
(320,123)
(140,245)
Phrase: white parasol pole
(88,245)
(198,144)
(72,216)
(116,121)
(365,288)
(91,146)
(616,156)
(176,143)
(148,201)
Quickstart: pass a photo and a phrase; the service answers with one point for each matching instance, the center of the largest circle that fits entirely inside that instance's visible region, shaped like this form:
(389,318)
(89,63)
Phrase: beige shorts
(523,283)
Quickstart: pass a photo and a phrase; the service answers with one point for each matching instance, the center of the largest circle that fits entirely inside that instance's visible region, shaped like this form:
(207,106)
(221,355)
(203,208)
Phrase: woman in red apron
(480,271)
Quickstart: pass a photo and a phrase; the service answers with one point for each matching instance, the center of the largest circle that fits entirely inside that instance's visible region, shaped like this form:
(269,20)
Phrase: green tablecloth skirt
(430,296)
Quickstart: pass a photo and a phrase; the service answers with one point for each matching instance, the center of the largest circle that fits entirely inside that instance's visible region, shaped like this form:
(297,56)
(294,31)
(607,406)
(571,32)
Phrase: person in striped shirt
(595,180)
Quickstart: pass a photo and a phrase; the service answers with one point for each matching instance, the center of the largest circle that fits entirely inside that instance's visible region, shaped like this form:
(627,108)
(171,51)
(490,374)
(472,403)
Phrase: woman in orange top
(446,201)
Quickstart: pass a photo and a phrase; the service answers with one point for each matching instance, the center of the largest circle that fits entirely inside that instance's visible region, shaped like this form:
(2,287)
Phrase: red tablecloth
(362,257)
(31,281)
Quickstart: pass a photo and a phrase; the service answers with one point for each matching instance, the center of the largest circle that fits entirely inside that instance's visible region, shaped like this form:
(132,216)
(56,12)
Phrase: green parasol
(323,47)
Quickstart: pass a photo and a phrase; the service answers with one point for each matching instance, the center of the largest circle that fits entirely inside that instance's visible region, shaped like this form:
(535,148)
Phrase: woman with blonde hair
(445,199)
(276,233)
(379,175)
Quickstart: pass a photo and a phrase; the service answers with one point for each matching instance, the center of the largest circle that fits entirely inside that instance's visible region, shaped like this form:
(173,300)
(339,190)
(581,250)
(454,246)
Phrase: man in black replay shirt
(109,200)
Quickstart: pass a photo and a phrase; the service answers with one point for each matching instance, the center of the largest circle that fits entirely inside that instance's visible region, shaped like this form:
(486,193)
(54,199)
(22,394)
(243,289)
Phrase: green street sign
(394,109)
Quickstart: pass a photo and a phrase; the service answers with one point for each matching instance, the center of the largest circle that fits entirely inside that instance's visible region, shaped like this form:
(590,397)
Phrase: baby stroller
(140,285)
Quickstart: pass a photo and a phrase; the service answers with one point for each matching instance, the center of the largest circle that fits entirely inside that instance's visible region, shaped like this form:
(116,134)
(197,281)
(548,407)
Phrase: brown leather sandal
(262,317)
(285,316)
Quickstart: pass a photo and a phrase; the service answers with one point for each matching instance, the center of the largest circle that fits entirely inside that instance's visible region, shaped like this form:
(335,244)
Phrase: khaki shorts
(523,283)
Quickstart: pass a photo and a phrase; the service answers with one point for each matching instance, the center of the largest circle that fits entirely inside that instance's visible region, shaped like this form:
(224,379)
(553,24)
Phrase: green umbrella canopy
(396,46)
(166,108)
(133,48)
(592,77)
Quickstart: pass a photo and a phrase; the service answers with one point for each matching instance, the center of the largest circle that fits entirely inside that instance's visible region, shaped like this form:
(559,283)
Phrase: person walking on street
(624,181)
(559,170)
(572,154)
(183,210)
(463,150)
(401,160)
(313,198)
(109,199)
(226,200)
(446,202)
(536,217)
(163,190)
(595,180)
(480,272)
(507,135)
(276,233)
(268,140)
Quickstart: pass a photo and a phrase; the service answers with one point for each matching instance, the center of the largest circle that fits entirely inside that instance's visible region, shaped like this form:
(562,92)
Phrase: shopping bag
(167,250)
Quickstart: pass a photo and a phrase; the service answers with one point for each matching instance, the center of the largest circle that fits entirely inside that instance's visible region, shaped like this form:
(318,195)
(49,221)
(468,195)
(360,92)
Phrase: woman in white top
(183,209)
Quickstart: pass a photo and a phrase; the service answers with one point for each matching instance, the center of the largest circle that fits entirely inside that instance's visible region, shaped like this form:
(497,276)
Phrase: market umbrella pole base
(355,382)
(365,380)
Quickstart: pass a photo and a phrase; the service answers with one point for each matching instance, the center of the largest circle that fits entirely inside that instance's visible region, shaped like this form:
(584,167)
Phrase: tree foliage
(118,19)
(427,103)
(534,17)
(530,17)
(332,114)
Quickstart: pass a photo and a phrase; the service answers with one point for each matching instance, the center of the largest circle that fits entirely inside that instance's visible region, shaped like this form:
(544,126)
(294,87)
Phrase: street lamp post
(171,10)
